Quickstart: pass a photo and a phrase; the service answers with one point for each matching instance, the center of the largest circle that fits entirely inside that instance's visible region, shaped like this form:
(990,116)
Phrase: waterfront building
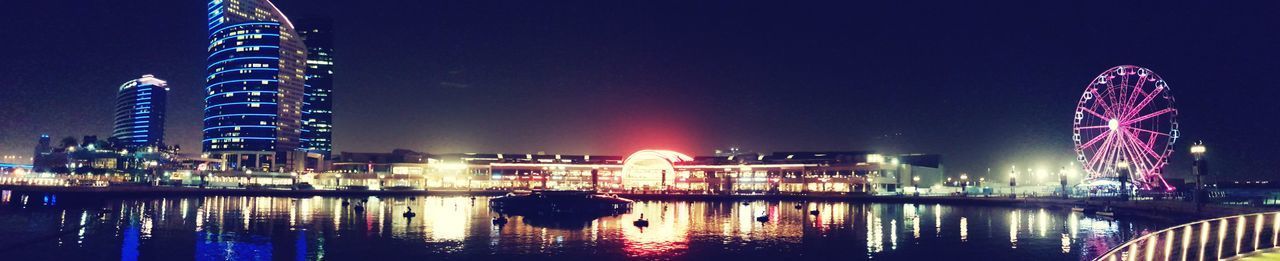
(317,106)
(255,87)
(647,171)
(114,159)
(140,113)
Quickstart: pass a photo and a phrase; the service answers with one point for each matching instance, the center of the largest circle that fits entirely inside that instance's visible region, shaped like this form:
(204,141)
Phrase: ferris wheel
(1125,122)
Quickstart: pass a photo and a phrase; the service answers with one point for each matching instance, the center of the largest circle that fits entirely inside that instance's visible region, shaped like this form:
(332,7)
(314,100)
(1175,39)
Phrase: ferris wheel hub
(1113,124)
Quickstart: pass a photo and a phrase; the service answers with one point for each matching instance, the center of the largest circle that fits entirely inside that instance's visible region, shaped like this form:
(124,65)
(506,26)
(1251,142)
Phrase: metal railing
(1210,239)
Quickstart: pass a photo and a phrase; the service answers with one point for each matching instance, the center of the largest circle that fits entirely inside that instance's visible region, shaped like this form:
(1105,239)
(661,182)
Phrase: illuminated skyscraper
(317,107)
(255,87)
(140,110)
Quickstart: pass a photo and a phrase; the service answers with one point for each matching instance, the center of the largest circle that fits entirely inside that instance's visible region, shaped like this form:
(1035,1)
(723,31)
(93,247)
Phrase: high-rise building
(47,158)
(140,112)
(317,107)
(255,87)
(43,147)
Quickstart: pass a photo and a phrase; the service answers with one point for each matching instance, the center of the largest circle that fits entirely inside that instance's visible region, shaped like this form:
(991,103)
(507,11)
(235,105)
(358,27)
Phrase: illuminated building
(140,113)
(647,171)
(317,106)
(255,86)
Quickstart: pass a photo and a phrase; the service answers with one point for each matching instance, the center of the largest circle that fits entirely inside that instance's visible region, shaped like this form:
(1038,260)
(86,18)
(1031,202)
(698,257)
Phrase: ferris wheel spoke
(1148,131)
(1112,104)
(1090,111)
(1146,100)
(1109,157)
(1094,140)
(1147,148)
(1101,152)
(1102,103)
(1141,163)
(1133,97)
(1092,127)
(1148,116)
(1137,162)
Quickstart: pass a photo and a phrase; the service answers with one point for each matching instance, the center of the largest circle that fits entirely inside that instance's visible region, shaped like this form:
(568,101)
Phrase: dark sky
(986,84)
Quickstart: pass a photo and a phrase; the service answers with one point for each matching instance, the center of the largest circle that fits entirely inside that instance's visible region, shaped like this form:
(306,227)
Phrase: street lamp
(1013,183)
(1122,167)
(1062,180)
(1199,168)
(915,183)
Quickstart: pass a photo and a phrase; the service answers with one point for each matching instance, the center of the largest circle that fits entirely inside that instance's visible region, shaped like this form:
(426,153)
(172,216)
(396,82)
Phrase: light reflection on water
(267,228)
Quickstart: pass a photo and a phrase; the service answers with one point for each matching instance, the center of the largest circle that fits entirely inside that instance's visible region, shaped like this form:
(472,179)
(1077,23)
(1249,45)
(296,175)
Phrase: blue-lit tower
(317,106)
(140,110)
(255,86)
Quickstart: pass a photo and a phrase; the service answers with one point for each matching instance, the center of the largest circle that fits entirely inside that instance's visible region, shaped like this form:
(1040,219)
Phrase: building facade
(317,106)
(140,113)
(647,171)
(255,87)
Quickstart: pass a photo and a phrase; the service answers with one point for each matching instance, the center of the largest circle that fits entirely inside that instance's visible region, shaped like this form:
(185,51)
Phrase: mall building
(646,171)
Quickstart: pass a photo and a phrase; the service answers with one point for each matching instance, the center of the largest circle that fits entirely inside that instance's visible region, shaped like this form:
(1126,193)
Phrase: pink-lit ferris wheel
(1126,118)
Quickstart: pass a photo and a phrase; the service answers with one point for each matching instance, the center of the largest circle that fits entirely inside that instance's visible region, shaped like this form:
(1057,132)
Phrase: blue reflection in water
(129,249)
(210,246)
(300,245)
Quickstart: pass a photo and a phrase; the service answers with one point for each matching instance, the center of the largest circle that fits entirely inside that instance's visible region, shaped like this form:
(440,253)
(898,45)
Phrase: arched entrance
(651,169)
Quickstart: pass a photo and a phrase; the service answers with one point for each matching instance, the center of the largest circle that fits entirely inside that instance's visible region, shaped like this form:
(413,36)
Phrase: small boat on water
(1106,212)
(409,213)
(551,202)
(500,220)
(641,222)
(763,218)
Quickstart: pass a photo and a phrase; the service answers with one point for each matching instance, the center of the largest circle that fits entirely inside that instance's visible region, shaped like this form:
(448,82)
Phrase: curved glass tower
(139,119)
(255,86)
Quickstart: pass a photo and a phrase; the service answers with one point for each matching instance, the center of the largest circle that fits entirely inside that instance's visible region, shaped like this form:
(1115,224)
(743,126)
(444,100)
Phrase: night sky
(986,84)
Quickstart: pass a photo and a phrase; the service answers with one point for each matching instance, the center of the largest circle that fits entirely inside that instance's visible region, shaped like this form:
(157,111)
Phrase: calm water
(41,227)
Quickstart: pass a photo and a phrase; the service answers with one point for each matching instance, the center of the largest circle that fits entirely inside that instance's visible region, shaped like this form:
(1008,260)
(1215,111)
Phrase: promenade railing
(1210,239)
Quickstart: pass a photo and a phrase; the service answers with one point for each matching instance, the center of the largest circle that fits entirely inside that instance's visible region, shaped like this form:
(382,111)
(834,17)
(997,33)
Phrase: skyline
(676,90)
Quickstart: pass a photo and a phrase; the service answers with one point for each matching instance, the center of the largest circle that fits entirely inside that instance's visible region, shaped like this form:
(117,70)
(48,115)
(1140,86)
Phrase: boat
(560,202)
(641,222)
(500,220)
(813,212)
(763,218)
(1106,212)
(409,213)
(1077,209)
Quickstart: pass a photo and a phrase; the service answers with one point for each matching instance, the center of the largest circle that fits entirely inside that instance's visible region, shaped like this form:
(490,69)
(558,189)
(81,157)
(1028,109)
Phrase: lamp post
(1062,180)
(982,188)
(1122,167)
(949,183)
(1199,167)
(1013,184)
(915,183)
